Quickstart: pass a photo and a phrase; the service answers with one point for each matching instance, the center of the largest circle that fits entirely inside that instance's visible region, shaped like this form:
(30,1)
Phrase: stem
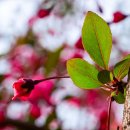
(49,78)
(109,113)
(107,88)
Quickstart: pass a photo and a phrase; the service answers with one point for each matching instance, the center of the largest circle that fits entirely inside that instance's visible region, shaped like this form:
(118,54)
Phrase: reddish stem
(55,77)
(108,87)
(109,113)
(118,128)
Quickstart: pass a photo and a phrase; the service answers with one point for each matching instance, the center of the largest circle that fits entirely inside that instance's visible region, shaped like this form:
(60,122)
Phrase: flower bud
(22,88)
(43,13)
(118,16)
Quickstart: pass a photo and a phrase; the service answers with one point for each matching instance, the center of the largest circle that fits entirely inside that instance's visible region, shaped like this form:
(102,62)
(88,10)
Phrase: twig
(55,77)
(118,128)
(109,113)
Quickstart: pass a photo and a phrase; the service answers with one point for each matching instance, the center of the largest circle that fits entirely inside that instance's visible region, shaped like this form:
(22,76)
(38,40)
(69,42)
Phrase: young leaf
(105,76)
(119,98)
(121,69)
(127,57)
(97,39)
(83,74)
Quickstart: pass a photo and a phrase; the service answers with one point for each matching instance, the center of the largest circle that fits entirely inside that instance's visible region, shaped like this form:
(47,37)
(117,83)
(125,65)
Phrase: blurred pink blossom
(35,111)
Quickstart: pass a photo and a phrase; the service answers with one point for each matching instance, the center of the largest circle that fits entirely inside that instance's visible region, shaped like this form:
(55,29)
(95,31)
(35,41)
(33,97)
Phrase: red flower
(118,16)
(42,91)
(2,112)
(22,88)
(43,13)
(75,101)
(35,111)
(32,20)
(79,44)
(77,55)
(103,119)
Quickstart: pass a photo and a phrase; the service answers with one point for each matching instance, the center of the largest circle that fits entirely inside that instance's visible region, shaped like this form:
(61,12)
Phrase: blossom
(79,44)
(118,16)
(42,91)
(35,111)
(22,88)
(103,119)
(75,101)
(2,112)
(43,13)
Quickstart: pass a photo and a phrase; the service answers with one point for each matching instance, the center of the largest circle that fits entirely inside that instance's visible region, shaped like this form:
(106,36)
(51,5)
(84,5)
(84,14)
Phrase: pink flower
(35,111)
(2,113)
(22,88)
(118,16)
(75,101)
(103,120)
(23,63)
(77,55)
(32,20)
(42,92)
(95,99)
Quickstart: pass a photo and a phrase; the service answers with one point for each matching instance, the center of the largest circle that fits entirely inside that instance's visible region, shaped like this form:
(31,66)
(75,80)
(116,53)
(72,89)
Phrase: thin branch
(109,113)
(107,88)
(21,125)
(118,128)
(49,78)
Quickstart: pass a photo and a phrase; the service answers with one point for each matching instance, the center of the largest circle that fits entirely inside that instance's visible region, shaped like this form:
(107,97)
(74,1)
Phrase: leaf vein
(98,41)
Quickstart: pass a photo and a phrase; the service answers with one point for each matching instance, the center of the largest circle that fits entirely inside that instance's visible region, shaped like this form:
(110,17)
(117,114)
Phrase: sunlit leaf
(83,74)
(97,39)
(121,69)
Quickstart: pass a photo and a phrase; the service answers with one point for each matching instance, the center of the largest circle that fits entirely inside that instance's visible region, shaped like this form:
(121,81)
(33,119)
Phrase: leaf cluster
(97,41)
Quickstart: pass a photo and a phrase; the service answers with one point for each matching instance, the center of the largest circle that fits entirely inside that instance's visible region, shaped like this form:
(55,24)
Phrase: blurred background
(37,37)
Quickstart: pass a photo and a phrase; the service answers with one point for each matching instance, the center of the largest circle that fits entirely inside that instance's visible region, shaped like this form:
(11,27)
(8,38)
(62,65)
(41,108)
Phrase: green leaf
(83,74)
(97,39)
(124,92)
(119,98)
(127,57)
(121,69)
(52,60)
(105,76)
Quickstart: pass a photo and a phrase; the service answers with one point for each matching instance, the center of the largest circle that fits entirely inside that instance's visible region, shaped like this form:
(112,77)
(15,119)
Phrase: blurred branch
(109,113)
(21,125)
